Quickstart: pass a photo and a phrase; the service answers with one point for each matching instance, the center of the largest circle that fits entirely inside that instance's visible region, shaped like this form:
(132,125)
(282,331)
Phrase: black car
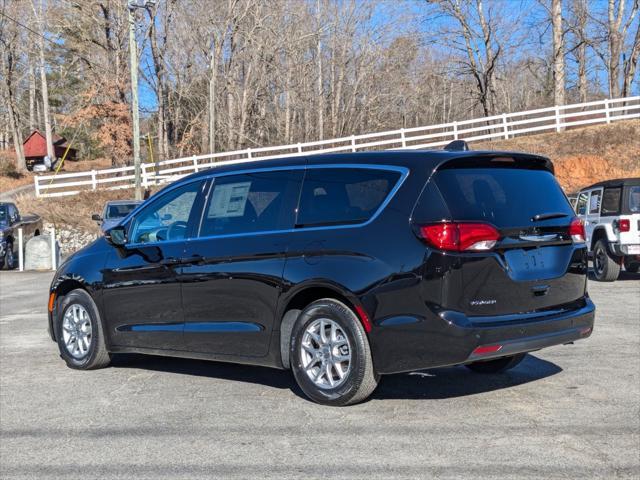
(340,267)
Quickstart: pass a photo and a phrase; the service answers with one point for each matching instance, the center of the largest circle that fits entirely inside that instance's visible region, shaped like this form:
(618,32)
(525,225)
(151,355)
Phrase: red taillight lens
(576,230)
(460,236)
(624,225)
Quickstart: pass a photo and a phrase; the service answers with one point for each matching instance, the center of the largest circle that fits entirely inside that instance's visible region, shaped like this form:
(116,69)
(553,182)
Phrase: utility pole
(135,113)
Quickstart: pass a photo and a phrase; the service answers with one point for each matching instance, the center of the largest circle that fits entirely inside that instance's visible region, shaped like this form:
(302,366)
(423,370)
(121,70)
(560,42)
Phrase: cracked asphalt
(566,412)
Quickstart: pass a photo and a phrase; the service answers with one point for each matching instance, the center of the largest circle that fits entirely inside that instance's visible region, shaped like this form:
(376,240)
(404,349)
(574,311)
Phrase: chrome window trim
(404,173)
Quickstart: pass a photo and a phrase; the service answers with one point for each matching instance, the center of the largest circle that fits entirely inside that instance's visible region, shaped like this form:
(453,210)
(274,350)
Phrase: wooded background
(227,74)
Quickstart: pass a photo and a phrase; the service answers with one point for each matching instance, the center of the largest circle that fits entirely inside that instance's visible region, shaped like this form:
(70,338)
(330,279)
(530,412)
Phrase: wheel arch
(61,288)
(296,302)
(598,233)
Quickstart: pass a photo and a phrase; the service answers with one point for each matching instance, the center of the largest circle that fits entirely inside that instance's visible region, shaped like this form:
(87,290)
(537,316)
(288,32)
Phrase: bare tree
(558,53)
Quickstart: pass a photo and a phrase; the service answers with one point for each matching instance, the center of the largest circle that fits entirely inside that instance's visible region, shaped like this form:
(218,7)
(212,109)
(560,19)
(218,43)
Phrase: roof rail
(457,146)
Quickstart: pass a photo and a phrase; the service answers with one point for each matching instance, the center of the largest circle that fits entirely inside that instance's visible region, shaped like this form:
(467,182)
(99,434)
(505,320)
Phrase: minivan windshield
(505,197)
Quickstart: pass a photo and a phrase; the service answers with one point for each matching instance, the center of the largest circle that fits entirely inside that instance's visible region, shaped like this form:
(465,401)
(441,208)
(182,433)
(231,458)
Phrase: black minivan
(341,267)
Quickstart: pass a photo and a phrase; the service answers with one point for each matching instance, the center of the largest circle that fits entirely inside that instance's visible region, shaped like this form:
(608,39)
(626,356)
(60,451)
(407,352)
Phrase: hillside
(583,156)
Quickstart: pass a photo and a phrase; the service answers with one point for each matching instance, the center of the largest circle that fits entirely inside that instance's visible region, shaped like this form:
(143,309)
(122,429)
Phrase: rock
(71,239)
(37,254)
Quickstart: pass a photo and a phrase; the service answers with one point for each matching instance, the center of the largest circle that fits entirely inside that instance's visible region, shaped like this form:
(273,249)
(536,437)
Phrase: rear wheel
(79,332)
(330,355)
(605,267)
(496,366)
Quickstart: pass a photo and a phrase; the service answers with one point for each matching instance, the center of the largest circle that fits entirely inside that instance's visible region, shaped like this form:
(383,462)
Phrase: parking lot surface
(566,412)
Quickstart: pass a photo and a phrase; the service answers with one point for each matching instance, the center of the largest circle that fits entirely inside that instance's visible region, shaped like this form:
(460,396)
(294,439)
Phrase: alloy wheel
(76,331)
(326,353)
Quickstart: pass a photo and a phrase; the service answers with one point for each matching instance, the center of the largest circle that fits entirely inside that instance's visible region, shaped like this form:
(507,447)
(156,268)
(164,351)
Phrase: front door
(232,275)
(141,295)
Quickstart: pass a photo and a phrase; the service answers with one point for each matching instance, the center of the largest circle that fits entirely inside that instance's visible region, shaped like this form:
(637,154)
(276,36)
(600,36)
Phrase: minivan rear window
(505,197)
(335,196)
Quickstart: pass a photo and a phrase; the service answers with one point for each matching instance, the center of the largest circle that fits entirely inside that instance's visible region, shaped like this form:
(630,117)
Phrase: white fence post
(402,137)
(249,153)
(557,109)
(455,130)
(299,148)
(195,164)
(144,174)
(505,126)
(606,110)
(36,181)
(54,257)
(94,183)
(353,143)
(20,251)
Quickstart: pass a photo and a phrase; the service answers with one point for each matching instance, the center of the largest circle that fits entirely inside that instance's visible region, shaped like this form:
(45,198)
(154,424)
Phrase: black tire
(605,267)
(360,379)
(9,258)
(631,267)
(496,366)
(97,355)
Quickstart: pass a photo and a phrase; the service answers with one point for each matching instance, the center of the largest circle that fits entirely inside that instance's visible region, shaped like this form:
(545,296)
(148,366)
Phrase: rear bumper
(452,338)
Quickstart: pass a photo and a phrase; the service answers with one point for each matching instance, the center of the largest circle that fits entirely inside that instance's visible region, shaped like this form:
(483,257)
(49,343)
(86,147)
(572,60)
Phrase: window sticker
(229,200)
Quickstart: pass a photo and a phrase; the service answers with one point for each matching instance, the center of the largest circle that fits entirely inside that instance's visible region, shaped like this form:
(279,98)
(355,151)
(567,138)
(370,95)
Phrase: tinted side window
(252,202)
(169,217)
(334,196)
(581,205)
(611,201)
(594,201)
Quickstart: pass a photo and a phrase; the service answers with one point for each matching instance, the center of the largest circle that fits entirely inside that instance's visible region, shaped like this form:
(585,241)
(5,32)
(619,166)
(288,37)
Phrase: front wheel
(605,267)
(496,366)
(79,332)
(330,355)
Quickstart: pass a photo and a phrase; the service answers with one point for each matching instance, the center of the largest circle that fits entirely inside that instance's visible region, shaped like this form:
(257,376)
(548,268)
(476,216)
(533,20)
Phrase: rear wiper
(546,216)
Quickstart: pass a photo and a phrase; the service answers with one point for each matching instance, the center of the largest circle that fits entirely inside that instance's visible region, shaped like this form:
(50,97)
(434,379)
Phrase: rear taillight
(624,225)
(576,230)
(460,237)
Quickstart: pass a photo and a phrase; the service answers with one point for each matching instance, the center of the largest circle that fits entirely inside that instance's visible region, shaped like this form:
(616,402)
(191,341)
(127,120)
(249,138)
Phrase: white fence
(502,126)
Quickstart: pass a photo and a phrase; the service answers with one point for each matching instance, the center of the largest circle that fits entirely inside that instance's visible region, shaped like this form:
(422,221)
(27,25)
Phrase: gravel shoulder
(566,412)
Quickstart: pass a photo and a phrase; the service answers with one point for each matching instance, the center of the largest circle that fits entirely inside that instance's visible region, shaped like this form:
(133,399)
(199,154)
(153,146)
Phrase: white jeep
(611,214)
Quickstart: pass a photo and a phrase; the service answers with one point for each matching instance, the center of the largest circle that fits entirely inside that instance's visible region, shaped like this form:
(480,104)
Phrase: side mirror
(95,217)
(116,236)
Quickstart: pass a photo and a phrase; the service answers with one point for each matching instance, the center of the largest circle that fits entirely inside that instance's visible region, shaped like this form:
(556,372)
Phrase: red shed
(35,148)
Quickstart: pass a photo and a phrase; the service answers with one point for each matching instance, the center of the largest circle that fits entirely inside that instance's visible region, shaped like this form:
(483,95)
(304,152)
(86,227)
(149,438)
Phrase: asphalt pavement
(565,412)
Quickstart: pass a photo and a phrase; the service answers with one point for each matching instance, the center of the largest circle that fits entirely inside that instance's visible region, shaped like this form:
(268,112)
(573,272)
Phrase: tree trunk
(7,94)
(631,63)
(615,47)
(558,53)
(32,98)
(213,68)
(45,103)
(320,94)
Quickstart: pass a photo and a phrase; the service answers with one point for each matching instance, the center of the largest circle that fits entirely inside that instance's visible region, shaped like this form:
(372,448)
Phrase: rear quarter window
(334,196)
(505,197)
(611,201)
